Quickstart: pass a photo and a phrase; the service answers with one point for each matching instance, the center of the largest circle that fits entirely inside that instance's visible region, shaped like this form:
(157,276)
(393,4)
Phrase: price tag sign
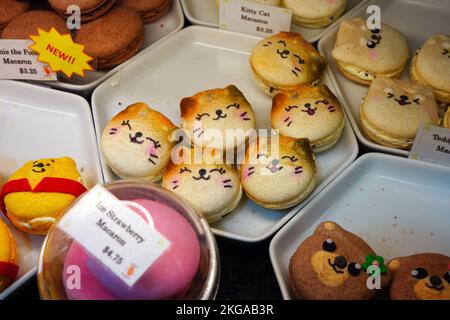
(253,18)
(19,62)
(114,234)
(432,144)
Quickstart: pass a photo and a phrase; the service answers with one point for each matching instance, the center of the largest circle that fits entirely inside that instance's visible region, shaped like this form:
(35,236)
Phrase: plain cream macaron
(392,111)
(315,13)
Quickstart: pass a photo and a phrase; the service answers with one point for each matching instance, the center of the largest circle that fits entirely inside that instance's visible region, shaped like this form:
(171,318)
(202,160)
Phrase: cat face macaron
(431,66)
(284,61)
(210,115)
(392,111)
(315,13)
(424,276)
(362,54)
(278,172)
(137,143)
(212,188)
(311,112)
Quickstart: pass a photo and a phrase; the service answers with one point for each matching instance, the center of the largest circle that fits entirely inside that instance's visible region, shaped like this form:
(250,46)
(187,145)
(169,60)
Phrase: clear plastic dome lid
(129,240)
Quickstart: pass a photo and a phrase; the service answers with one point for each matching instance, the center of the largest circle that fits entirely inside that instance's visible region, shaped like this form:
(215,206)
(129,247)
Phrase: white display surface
(398,206)
(36,123)
(160,29)
(210,58)
(206,13)
(417,20)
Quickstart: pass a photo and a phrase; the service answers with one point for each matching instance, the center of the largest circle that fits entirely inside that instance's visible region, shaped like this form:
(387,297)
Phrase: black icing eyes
(185,169)
(447,277)
(289,108)
(234,105)
(329,245)
(222,171)
(292,158)
(354,269)
(419,273)
(375,39)
(126,123)
(201,115)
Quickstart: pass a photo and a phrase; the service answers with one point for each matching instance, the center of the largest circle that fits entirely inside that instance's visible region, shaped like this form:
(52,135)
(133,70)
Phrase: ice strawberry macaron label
(60,52)
(120,234)
(432,144)
(19,62)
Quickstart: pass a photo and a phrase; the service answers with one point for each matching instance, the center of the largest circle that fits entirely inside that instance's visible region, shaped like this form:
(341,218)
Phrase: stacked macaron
(10,9)
(90,9)
(149,10)
(315,13)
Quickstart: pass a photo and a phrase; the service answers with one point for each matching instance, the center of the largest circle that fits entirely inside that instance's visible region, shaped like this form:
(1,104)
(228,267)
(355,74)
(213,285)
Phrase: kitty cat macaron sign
(253,18)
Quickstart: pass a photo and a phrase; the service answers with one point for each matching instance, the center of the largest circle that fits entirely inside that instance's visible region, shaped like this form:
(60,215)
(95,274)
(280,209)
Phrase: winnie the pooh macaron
(8,256)
(334,264)
(37,193)
(424,276)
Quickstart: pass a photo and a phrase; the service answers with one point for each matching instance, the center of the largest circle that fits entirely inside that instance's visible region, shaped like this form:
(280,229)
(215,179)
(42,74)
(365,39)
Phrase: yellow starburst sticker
(61,53)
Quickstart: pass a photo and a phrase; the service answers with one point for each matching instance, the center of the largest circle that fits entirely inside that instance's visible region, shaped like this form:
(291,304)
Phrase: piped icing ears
(393,265)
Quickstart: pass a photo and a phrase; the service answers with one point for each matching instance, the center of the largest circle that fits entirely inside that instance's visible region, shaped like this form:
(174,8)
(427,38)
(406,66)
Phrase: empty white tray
(398,206)
(37,122)
(204,12)
(160,29)
(417,20)
(210,58)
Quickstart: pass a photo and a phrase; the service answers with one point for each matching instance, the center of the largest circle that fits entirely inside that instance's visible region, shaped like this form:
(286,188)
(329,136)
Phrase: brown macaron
(150,10)
(26,24)
(10,9)
(90,9)
(112,38)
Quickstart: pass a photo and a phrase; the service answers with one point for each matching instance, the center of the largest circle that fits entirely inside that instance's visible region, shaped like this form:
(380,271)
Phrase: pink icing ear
(373,54)
(152,151)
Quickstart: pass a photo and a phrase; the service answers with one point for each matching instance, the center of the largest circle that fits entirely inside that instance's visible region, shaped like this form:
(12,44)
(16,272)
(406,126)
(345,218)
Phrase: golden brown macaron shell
(150,10)
(28,23)
(10,9)
(90,9)
(112,38)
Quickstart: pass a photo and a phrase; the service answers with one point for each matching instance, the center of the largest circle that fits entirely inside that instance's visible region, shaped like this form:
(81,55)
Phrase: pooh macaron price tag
(432,144)
(19,62)
(123,241)
(253,18)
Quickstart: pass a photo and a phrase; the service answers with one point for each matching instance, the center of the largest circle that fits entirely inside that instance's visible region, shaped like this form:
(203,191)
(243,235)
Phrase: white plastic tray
(398,206)
(417,20)
(211,58)
(204,12)
(37,122)
(162,28)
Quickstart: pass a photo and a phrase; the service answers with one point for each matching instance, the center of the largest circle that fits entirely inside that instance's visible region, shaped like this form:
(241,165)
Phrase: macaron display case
(188,269)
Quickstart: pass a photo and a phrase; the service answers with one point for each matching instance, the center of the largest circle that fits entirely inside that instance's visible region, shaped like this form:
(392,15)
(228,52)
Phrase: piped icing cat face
(431,65)
(398,107)
(332,264)
(311,112)
(214,190)
(207,116)
(137,143)
(423,276)
(285,60)
(367,53)
(278,176)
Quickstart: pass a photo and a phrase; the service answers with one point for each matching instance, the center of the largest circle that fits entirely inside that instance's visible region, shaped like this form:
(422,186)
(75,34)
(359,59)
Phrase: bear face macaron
(315,13)
(209,116)
(137,143)
(278,172)
(213,188)
(392,111)
(363,55)
(284,61)
(8,257)
(424,276)
(431,66)
(333,264)
(311,112)
(37,193)
(10,9)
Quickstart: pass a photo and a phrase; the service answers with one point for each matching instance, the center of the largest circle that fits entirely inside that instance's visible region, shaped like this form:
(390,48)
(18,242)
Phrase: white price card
(114,234)
(432,144)
(254,18)
(19,62)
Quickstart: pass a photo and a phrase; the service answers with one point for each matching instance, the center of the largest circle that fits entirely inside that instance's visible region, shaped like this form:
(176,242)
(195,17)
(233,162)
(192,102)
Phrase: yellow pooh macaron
(8,257)
(37,193)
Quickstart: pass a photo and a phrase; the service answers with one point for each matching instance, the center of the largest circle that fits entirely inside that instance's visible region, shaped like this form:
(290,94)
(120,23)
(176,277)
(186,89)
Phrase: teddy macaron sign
(432,144)
(253,18)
